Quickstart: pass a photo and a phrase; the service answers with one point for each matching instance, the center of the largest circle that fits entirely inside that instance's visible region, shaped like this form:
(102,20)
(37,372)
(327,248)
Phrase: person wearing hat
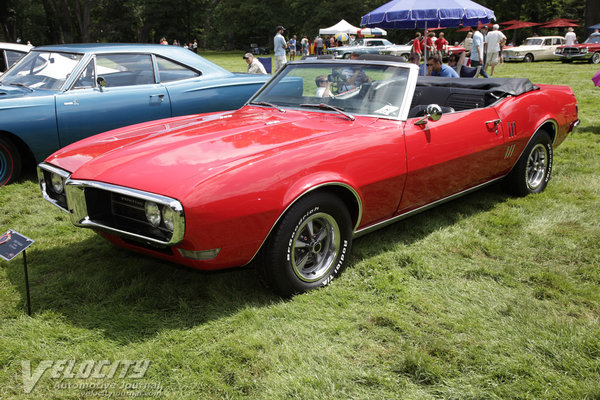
(570,37)
(254,66)
(279,46)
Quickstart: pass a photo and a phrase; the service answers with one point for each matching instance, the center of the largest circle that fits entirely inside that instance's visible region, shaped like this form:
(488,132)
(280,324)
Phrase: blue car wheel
(10,162)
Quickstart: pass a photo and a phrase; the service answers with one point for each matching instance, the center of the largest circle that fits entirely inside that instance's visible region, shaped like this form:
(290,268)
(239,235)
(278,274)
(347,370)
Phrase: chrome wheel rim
(536,166)
(315,247)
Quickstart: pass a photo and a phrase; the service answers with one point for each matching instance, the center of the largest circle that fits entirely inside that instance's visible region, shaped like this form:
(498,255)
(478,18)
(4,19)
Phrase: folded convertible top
(498,86)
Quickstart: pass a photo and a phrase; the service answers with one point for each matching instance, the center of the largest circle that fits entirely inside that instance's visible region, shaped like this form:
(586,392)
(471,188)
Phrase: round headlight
(168,216)
(152,213)
(57,184)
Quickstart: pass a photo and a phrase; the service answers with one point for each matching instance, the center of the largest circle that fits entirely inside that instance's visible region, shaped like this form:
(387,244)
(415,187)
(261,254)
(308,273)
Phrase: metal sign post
(12,244)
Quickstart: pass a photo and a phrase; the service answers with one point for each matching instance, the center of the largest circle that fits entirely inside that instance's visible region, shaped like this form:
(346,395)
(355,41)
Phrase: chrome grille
(570,51)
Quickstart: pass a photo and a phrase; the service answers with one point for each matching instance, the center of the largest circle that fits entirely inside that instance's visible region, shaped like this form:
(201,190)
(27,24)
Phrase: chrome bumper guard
(77,206)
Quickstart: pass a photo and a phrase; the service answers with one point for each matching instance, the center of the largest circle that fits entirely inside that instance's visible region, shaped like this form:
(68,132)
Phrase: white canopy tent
(342,26)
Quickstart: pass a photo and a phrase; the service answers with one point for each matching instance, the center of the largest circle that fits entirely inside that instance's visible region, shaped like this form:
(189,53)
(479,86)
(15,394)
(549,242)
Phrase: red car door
(457,152)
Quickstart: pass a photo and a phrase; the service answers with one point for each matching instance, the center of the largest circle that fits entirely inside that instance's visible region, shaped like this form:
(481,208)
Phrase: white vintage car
(536,48)
(401,50)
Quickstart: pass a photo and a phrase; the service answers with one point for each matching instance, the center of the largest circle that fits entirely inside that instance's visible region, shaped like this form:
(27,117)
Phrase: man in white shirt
(279,46)
(477,50)
(254,66)
(494,40)
(570,37)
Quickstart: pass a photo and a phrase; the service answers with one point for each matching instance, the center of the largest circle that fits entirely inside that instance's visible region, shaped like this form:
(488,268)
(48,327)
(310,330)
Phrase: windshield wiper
(21,85)
(324,106)
(264,103)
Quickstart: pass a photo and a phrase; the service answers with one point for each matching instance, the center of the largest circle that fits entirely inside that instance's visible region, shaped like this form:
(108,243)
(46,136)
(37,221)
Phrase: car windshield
(593,39)
(42,70)
(351,86)
(533,42)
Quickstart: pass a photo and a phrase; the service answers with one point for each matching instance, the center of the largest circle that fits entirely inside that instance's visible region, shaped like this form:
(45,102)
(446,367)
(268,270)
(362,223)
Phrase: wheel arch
(345,192)
(25,152)
(550,126)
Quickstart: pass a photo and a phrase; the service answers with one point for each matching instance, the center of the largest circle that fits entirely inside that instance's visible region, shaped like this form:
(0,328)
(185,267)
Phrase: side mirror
(433,113)
(101,82)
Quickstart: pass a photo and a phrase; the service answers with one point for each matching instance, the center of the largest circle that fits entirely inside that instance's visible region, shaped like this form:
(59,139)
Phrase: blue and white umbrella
(412,14)
(372,32)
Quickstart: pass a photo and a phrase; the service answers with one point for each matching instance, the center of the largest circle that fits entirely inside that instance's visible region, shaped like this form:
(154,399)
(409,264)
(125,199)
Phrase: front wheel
(595,58)
(528,58)
(532,172)
(346,56)
(10,162)
(309,247)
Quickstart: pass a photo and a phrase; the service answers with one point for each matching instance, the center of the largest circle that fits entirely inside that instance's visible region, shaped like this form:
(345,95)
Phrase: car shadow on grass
(132,297)
(129,296)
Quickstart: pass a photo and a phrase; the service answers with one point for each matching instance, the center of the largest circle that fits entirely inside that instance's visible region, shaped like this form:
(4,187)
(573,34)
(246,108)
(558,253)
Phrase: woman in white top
(468,43)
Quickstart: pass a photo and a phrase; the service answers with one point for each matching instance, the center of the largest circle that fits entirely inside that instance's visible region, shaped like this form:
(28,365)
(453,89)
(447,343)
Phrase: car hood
(524,48)
(175,154)
(580,45)
(11,92)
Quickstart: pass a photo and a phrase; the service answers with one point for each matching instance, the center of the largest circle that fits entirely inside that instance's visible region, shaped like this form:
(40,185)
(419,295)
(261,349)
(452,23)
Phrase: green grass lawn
(485,297)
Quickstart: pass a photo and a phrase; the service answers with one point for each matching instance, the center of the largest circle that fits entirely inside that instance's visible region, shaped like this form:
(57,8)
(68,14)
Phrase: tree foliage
(226,24)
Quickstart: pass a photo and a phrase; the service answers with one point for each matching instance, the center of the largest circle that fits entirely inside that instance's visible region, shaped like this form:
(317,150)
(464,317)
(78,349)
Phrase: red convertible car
(325,152)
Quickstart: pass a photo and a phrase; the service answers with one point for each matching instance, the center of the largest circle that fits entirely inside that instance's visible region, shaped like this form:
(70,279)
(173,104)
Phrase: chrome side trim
(397,218)
(354,192)
(75,190)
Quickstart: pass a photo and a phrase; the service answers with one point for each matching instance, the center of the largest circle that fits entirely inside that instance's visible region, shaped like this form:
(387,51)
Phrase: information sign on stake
(11,245)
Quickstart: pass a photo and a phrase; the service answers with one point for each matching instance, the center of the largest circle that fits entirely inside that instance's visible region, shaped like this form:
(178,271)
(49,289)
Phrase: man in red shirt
(441,45)
(416,44)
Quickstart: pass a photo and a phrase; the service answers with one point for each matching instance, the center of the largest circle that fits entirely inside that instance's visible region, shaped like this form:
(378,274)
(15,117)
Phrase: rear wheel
(309,246)
(532,172)
(10,162)
(528,57)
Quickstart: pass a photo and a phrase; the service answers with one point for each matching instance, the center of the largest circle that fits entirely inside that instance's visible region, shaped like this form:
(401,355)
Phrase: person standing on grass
(305,46)
(279,46)
(441,45)
(416,44)
(292,47)
(477,51)
(495,40)
(570,37)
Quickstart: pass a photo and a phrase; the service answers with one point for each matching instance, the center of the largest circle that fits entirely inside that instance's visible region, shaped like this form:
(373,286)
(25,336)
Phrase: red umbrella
(520,24)
(559,23)
(512,21)
(479,26)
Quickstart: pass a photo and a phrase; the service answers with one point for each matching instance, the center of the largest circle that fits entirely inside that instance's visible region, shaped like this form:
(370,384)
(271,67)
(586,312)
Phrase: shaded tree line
(227,24)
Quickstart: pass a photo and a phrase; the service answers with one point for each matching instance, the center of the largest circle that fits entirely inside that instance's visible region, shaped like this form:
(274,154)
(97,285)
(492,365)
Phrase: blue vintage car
(56,95)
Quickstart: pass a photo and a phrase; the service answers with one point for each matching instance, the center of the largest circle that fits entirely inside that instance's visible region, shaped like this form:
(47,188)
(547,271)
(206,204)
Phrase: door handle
(72,103)
(493,124)
(160,96)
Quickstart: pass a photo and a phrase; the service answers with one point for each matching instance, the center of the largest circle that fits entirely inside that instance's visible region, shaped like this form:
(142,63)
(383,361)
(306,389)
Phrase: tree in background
(232,24)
